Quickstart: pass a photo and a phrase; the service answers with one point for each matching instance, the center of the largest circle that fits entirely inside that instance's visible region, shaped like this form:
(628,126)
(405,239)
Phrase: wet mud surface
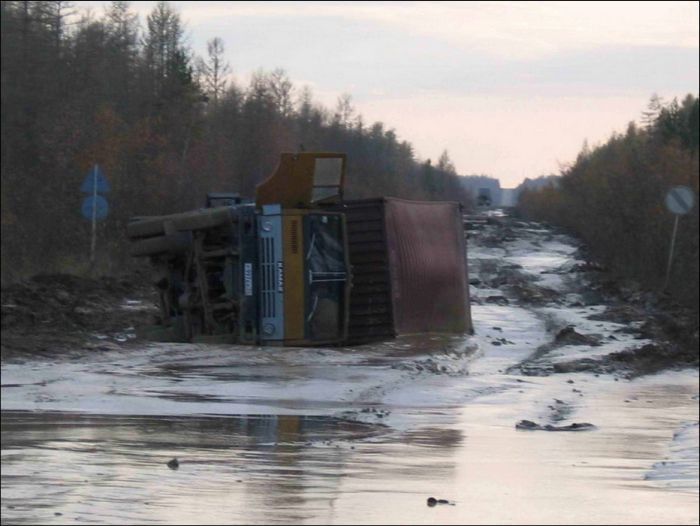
(533,420)
(541,271)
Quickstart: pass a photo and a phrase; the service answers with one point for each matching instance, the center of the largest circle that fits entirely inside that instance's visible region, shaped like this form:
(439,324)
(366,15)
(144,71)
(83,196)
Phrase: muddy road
(368,434)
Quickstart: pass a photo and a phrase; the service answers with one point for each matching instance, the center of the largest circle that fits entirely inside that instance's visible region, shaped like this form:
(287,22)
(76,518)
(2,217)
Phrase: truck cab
(272,272)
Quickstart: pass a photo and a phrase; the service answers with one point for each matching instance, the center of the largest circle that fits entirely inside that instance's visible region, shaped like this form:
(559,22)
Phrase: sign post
(95,206)
(94,216)
(679,200)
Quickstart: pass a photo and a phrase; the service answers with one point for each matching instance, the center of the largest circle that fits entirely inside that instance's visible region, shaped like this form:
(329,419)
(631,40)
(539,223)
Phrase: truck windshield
(326,276)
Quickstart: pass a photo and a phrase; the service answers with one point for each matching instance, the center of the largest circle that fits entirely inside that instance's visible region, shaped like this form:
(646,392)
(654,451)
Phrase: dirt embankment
(671,327)
(59,313)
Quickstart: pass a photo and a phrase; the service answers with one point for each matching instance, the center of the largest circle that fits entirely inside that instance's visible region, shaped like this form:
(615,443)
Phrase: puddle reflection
(248,469)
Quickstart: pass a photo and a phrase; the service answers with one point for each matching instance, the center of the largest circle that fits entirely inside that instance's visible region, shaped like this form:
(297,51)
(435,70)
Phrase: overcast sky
(510,89)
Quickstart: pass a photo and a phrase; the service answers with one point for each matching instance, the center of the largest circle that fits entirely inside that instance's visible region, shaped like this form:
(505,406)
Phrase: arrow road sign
(680,200)
(95,181)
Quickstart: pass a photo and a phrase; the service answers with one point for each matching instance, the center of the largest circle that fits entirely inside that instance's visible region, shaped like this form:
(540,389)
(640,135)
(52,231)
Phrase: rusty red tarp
(428,266)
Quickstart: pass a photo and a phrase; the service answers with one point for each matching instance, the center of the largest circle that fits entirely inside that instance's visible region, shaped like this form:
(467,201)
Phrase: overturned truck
(301,265)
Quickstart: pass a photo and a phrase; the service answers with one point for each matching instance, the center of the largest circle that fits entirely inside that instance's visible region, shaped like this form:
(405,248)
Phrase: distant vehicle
(483,199)
(508,198)
(301,265)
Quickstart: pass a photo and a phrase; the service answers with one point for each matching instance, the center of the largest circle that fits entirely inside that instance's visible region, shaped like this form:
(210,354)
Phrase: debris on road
(432,501)
(529,425)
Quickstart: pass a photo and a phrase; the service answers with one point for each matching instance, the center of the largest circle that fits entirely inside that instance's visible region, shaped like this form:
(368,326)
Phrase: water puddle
(60,467)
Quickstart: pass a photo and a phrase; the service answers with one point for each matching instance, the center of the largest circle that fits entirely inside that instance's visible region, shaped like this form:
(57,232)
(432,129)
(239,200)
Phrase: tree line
(613,197)
(165,126)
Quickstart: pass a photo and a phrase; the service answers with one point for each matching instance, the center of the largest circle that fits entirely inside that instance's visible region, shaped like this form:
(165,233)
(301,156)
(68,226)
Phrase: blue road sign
(95,177)
(100,205)
(680,200)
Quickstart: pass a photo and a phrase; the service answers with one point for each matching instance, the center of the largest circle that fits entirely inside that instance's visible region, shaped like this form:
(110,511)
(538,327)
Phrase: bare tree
(445,163)
(162,42)
(654,107)
(214,70)
(281,91)
(344,110)
(53,15)
(122,26)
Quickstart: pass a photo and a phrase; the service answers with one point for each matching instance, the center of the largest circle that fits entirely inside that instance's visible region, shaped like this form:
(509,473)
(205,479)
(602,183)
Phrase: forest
(613,197)
(164,125)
